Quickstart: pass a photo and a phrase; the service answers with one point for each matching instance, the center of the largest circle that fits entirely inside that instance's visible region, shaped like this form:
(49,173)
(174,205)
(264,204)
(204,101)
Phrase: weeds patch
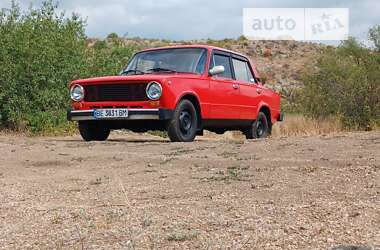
(100,180)
(182,235)
(233,173)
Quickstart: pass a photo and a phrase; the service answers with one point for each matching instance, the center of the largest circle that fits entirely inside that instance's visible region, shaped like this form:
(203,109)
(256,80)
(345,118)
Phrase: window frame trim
(158,49)
(231,56)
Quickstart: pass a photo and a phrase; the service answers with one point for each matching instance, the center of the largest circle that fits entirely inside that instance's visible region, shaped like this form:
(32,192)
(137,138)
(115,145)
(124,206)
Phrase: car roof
(203,46)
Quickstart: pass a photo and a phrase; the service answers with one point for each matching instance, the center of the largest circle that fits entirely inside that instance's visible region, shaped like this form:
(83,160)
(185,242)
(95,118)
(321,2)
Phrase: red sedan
(180,89)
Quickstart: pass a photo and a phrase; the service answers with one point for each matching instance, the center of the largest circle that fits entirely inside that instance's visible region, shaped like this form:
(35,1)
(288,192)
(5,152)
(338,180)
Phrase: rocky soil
(140,191)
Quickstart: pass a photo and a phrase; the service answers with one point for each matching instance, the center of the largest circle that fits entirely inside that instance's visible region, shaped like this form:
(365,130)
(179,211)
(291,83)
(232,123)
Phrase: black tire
(260,128)
(92,131)
(183,126)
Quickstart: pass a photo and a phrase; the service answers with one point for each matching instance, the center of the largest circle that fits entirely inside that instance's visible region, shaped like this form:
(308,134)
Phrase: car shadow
(139,140)
(116,140)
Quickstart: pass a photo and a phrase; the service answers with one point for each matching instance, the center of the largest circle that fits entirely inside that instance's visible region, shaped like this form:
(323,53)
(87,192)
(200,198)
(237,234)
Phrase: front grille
(116,92)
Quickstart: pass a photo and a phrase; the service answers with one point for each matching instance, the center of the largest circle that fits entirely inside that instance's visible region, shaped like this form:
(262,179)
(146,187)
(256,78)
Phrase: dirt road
(140,191)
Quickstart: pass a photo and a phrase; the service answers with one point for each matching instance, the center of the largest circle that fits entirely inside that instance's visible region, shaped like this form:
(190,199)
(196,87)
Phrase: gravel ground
(140,191)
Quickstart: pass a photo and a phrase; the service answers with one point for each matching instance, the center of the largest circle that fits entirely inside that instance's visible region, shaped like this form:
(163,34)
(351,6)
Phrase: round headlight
(154,91)
(77,93)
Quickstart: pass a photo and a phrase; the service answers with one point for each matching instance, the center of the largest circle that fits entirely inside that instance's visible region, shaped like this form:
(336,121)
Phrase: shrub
(113,36)
(41,51)
(242,38)
(108,58)
(346,84)
(374,36)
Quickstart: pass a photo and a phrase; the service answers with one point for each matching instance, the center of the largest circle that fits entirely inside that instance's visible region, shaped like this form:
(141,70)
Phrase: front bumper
(133,114)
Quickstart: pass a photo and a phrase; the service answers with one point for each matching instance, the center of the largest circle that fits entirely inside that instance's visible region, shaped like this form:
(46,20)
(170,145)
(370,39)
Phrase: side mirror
(216,70)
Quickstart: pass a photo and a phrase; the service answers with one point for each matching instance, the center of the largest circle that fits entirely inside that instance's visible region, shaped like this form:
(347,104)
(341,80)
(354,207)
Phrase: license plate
(110,113)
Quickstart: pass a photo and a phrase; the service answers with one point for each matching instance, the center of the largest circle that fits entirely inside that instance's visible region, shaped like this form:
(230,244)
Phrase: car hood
(134,78)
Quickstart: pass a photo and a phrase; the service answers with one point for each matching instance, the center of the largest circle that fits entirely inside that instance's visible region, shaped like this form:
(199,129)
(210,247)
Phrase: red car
(181,89)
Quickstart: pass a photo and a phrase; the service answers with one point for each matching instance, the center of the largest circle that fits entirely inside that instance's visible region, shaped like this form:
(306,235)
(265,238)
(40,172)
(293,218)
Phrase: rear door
(250,92)
(224,89)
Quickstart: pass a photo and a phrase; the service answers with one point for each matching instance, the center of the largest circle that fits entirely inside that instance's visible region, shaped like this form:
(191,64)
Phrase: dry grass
(9,132)
(298,125)
(293,125)
(69,129)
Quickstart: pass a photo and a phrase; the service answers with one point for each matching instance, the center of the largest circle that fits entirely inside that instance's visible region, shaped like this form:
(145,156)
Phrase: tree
(374,36)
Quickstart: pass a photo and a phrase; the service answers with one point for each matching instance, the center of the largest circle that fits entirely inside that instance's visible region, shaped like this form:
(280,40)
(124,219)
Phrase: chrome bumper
(133,114)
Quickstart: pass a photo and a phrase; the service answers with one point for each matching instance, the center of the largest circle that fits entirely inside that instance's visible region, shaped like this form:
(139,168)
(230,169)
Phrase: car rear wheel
(92,131)
(259,129)
(183,126)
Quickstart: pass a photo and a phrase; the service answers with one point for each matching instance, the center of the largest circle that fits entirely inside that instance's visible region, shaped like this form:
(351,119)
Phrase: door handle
(235,86)
(259,91)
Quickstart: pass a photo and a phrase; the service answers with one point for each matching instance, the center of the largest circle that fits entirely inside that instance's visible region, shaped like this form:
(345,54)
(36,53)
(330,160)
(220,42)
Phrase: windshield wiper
(126,72)
(162,70)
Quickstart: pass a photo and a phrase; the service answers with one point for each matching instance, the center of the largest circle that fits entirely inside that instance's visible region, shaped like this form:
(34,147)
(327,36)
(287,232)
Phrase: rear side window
(223,61)
(242,71)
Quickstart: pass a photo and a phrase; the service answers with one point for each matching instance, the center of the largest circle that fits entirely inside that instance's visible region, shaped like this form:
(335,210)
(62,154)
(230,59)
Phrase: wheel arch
(195,101)
(266,110)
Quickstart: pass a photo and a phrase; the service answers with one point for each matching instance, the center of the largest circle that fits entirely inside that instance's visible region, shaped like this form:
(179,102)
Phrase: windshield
(189,60)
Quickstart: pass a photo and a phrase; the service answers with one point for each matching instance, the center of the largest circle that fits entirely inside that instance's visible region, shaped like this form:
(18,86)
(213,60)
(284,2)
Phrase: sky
(194,19)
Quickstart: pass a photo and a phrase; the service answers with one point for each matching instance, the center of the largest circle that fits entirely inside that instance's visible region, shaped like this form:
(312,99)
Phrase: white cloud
(193,19)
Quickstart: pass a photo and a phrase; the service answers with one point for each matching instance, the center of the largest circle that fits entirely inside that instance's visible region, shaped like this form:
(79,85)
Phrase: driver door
(224,89)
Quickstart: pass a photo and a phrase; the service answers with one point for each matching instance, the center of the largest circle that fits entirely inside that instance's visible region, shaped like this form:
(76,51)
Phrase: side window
(201,63)
(251,78)
(242,71)
(224,61)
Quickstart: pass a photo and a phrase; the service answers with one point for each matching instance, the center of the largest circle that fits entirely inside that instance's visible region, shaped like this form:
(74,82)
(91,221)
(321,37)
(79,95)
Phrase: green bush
(41,51)
(108,58)
(346,85)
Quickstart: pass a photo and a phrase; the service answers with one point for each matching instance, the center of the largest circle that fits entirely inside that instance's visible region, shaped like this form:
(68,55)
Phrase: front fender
(187,93)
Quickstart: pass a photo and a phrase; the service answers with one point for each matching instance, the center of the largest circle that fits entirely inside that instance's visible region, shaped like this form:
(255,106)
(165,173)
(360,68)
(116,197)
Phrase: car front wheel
(259,129)
(183,126)
(92,131)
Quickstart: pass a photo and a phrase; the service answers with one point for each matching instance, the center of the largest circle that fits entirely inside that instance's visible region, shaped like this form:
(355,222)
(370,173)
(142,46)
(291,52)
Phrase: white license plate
(110,113)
